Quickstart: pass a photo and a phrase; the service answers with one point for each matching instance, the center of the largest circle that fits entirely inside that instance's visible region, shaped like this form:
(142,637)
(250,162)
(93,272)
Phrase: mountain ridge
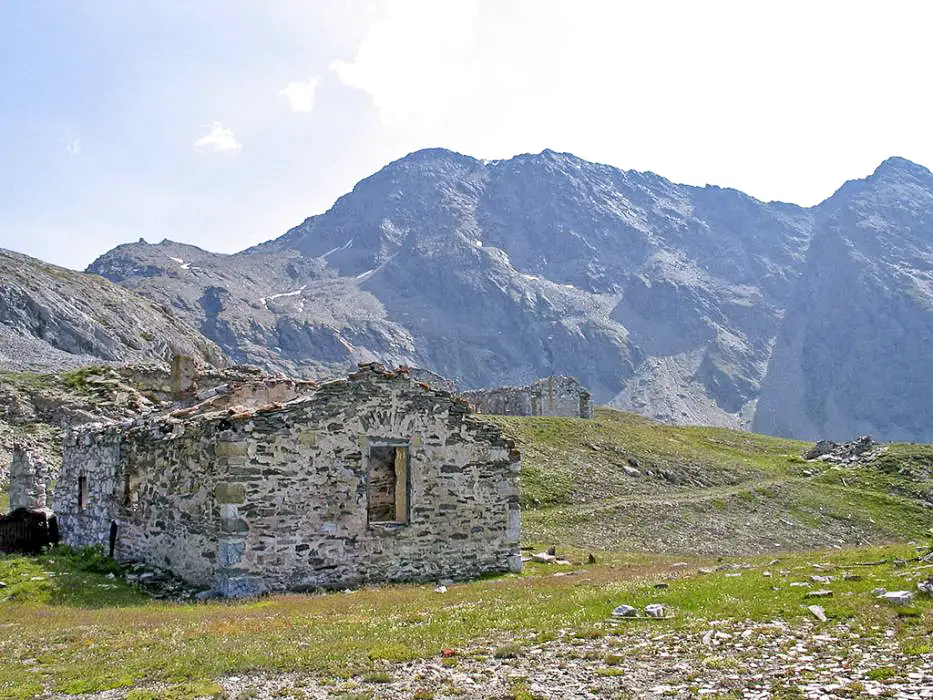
(54,318)
(664,298)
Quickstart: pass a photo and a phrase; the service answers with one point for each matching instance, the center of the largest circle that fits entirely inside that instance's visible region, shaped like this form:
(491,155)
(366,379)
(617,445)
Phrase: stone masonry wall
(276,499)
(551,396)
(561,396)
(30,478)
(502,401)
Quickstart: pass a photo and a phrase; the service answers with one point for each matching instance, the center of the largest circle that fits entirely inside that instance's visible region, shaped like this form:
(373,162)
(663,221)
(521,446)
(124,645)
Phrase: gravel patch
(640,659)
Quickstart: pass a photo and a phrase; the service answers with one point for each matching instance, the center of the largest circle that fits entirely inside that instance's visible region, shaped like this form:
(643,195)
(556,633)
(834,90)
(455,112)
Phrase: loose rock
(654,610)
(817,612)
(822,593)
(897,597)
(625,611)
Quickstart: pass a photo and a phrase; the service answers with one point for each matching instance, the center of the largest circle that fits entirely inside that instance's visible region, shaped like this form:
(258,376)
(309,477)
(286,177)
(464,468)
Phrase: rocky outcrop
(863,448)
(35,408)
(52,319)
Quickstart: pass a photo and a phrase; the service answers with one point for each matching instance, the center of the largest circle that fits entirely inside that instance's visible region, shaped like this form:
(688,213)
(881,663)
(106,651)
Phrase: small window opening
(387,485)
(130,491)
(82,492)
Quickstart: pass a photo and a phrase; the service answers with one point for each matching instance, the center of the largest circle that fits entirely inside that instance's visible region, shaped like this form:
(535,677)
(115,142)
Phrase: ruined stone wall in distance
(562,396)
(551,396)
(30,479)
(503,401)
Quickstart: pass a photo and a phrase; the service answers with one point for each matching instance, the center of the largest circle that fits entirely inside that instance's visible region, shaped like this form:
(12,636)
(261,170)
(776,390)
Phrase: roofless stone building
(375,477)
(550,396)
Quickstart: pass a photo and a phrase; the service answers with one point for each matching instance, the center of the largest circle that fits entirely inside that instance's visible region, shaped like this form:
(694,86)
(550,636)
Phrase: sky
(223,123)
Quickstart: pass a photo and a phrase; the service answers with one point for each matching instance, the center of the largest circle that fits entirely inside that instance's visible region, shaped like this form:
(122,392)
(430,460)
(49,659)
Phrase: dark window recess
(82,491)
(113,538)
(387,484)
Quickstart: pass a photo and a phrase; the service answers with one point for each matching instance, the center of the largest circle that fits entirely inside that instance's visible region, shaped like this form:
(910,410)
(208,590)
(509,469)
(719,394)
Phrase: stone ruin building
(551,396)
(30,479)
(376,477)
(30,525)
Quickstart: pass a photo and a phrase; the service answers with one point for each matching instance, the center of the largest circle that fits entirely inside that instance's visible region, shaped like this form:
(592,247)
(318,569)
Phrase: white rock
(625,611)
(817,612)
(897,597)
(654,610)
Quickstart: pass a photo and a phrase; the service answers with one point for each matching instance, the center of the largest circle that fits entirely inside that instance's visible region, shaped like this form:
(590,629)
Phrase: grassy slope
(706,490)
(54,636)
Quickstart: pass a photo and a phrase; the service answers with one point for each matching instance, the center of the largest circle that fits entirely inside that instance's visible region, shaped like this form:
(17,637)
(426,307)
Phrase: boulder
(823,447)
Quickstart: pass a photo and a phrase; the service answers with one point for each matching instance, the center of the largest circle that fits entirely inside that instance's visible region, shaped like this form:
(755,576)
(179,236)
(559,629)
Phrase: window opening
(113,537)
(130,491)
(387,484)
(82,491)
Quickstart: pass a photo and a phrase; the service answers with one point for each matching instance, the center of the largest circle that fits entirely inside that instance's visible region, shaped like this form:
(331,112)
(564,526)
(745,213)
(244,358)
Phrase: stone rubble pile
(862,449)
(160,584)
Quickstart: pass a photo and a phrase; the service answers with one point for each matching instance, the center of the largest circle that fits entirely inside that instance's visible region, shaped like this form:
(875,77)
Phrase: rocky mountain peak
(896,166)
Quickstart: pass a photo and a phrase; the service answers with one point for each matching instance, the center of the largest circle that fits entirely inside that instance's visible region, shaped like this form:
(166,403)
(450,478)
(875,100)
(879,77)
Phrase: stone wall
(433,379)
(30,478)
(551,396)
(187,385)
(276,498)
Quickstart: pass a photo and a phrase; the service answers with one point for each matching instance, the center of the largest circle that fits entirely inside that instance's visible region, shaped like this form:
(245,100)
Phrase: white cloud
(220,138)
(301,94)
(416,62)
(74,147)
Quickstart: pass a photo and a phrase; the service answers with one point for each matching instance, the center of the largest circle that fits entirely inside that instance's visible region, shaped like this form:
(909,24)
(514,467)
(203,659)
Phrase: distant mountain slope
(855,353)
(665,299)
(52,318)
